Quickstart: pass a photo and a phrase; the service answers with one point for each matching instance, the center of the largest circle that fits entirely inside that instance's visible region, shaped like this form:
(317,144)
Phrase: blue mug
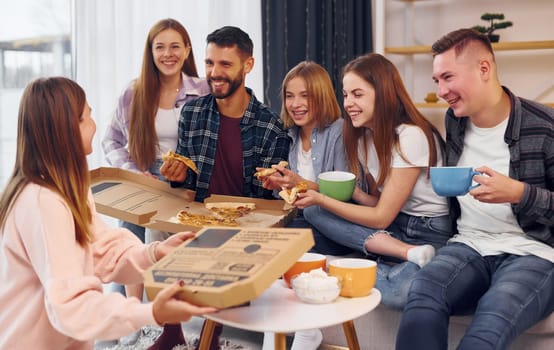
(452,181)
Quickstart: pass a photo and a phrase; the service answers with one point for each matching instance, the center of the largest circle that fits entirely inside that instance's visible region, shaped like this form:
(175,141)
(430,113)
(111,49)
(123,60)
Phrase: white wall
(527,73)
(110,38)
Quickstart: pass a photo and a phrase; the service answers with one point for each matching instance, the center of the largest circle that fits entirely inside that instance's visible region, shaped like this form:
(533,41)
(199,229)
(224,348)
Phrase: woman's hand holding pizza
(309,198)
(283,178)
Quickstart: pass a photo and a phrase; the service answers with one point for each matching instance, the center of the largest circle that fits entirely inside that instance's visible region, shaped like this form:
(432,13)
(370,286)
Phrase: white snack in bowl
(316,287)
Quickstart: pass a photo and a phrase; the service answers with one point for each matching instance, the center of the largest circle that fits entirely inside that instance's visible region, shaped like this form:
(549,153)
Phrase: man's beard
(233,86)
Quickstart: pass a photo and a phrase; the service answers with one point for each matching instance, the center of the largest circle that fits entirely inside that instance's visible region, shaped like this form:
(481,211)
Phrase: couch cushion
(545,326)
(377,331)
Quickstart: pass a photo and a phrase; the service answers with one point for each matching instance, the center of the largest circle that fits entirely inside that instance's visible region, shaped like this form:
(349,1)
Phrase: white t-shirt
(305,164)
(492,228)
(167,128)
(423,201)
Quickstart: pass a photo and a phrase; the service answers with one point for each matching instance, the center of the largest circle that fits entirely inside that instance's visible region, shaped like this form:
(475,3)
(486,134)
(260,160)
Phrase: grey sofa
(377,331)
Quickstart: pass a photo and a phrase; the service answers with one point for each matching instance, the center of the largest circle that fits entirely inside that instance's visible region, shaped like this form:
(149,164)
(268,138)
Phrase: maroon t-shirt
(227,177)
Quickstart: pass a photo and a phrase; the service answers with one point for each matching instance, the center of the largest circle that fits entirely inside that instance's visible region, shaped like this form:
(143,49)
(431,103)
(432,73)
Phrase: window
(35,41)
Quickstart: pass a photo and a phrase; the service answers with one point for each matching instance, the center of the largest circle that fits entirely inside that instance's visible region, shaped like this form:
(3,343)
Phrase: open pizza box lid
(228,266)
(152,203)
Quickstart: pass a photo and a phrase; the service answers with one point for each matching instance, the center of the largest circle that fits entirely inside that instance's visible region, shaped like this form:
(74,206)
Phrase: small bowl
(315,291)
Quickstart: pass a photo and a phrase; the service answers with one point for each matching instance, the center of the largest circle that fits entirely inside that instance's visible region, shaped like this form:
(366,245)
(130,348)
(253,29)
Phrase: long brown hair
(393,107)
(321,95)
(50,151)
(143,140)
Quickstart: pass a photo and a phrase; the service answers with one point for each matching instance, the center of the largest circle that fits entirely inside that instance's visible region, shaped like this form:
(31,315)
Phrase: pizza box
(152,203)
(228,266)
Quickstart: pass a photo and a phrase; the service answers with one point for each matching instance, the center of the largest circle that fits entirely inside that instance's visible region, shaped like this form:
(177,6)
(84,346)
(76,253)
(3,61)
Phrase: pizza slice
(230,210)
(170,155)
(200,220)
(269,171)
(290,194)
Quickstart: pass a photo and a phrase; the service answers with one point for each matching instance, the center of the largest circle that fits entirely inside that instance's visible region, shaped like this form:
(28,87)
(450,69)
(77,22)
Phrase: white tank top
(167,128)
(305,164)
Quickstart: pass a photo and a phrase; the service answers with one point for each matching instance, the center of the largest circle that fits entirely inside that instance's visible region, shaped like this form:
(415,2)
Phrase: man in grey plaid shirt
(500,265)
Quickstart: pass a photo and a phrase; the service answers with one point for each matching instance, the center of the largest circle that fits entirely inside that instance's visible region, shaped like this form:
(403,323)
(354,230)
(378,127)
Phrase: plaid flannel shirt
(264,142)
(530,139)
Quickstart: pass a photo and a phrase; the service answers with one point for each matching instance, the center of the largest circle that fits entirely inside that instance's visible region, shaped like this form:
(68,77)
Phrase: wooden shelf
(501,46)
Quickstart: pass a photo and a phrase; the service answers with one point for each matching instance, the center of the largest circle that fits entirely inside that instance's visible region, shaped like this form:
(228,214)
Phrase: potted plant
(492,17)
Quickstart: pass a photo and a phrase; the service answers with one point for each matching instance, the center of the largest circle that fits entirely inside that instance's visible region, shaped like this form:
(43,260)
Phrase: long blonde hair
(143,139)
(393,107)
(50,151)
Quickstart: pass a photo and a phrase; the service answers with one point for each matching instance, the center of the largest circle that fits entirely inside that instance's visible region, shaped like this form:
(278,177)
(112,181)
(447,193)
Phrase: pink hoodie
(51,288)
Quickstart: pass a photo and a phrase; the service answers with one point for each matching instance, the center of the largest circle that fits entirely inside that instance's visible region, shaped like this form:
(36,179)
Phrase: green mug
(339,185)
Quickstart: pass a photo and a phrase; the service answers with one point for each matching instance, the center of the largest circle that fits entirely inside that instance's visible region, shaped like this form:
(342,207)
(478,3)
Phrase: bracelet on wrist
(152,250)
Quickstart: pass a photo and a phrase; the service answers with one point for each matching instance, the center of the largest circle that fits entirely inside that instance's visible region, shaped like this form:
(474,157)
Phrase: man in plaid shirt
(500,264)
(227,133)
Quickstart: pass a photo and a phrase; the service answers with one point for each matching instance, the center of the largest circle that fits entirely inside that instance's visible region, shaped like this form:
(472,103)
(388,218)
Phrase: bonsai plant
(492,17)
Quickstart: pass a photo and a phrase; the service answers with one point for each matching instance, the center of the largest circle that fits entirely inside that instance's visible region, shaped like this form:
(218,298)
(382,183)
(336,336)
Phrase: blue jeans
(323,245)
(507,294)
(336,233)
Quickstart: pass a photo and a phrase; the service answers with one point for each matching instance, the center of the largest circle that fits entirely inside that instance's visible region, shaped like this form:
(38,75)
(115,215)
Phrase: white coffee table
(278,310)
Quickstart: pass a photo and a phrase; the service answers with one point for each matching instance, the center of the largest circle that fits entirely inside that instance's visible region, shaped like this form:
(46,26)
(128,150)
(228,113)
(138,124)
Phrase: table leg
(207,334)
(351,337)
(280,341)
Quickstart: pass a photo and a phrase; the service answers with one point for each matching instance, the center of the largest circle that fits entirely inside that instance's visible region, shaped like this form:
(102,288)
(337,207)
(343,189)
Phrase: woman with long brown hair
(55,251)
(146,118)
(390,147)
(145,122)
(147,114)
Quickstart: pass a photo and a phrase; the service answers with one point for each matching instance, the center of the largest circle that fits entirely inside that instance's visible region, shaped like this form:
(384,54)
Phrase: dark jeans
(507,293)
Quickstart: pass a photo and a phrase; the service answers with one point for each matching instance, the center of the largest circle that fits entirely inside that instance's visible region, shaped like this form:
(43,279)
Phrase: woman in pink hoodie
(55,252)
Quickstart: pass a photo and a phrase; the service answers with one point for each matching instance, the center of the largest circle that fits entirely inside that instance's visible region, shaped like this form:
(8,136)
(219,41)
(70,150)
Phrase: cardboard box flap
(134,197)
(224,267)
(104,174)
(154,204)
(261,204)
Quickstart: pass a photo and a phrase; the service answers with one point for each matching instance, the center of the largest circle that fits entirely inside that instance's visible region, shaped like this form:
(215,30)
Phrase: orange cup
(306,263)
(356,275)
